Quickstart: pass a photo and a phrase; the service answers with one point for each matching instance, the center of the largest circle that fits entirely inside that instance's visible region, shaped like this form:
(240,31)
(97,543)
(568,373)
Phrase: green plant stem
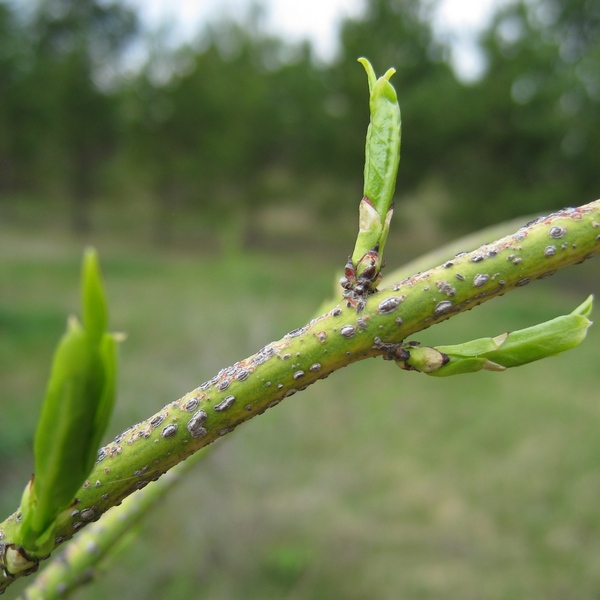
(448,251)
(430,259)
(336,339)
(78,563)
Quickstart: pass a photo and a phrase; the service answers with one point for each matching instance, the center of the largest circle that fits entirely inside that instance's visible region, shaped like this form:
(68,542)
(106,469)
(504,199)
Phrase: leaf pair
(78,404)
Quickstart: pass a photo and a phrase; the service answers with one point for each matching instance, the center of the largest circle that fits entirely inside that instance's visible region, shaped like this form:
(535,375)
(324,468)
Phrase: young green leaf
(382,155)
(506,350)
(93,298)
(382,147)
(76,410)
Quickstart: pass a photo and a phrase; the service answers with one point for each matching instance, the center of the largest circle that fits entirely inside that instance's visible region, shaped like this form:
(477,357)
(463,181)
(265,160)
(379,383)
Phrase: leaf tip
(585,308)
(371,77)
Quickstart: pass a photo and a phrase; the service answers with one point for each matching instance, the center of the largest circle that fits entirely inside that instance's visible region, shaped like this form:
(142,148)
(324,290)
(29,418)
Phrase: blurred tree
(242,119)
(15,145)
(398,33)
(198,128)
(528,143)
(76,47)
(236,109)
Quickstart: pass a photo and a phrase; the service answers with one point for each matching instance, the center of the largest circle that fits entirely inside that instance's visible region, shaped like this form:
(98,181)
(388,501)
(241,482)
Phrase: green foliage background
(220,131)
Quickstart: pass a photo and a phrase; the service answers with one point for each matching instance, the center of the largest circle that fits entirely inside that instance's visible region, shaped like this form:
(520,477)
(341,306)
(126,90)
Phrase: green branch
(341,336)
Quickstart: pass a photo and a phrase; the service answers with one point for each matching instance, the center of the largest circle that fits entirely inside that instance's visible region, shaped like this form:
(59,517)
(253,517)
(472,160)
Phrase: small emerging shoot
(76,410)
(382,156)
(503,351)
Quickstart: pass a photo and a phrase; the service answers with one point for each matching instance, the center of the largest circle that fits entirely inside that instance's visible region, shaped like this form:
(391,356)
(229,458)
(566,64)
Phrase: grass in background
(375,483)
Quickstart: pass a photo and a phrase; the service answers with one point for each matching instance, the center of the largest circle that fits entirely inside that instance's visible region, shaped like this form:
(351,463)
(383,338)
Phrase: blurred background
(217,165)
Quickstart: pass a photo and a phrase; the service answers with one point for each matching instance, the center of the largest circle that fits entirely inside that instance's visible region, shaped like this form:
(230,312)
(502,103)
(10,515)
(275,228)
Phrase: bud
(76,410)
(506,350)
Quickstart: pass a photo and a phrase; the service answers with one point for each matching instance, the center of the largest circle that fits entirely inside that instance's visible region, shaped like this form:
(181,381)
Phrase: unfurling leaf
(76,410)
(382,155)
(503,351)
